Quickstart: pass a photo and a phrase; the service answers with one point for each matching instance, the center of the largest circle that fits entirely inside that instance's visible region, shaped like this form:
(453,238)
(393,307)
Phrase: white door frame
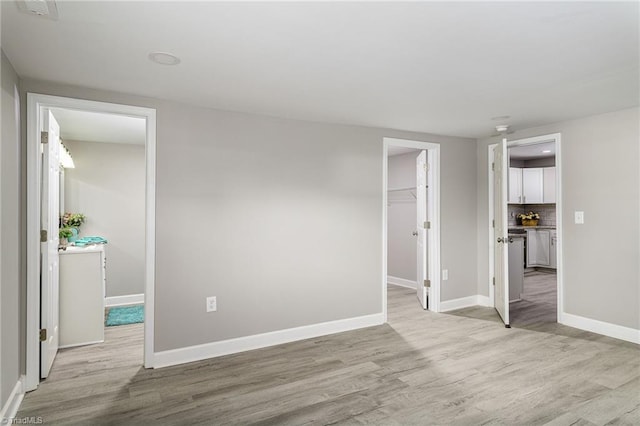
(554,137)
(36,103)
(433,205)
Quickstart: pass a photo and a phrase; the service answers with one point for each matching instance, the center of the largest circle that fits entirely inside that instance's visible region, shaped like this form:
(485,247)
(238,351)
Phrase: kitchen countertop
(532,227)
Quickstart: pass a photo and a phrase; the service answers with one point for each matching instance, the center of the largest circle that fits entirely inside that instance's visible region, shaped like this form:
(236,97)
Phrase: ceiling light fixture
(501,128)
(44,8)
(164,58)
(546,151)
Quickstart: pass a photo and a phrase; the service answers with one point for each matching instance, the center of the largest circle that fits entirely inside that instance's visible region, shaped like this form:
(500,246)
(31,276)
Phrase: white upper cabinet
(532,182)
(535,185)
(515,185)
(549,185)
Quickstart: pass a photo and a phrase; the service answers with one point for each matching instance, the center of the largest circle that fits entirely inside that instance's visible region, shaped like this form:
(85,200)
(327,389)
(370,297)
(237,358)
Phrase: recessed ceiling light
(500,118)
(546,151)
(164,58)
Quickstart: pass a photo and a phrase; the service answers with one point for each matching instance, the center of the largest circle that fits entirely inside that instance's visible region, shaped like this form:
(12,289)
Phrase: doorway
(415,199)
(525,211)
(39,109)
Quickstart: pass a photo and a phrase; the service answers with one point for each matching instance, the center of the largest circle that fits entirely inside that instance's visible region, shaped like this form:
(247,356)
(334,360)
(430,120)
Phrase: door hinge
(43,236)
(427,283)
(426,167)
(427,225)
(44,137)
(43,334)
(494,280)
(493,166)
(493,223)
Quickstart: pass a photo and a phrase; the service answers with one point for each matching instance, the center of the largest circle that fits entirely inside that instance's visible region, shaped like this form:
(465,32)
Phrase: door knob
(500,240)
(414,233)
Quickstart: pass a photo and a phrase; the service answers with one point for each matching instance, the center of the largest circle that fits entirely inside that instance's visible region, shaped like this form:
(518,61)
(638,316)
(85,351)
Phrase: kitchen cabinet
(535,185)
(82,293)
(538,247)
(532,182)
(549,185)
(515,185)
(553,250)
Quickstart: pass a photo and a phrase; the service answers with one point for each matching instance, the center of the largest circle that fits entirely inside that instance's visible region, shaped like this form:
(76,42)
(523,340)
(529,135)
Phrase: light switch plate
(579,218)
(445,274)
(212,304)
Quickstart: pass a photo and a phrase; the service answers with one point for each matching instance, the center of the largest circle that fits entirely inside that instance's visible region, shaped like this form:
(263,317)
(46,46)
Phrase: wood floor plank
(459,368)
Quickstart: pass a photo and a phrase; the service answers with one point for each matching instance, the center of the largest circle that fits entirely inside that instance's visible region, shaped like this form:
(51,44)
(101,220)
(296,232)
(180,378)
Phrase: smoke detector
(43,8)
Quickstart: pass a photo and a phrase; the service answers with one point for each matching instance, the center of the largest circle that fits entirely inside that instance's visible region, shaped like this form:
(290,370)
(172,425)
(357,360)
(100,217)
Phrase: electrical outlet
(579,218)
(212,304)
(445,274)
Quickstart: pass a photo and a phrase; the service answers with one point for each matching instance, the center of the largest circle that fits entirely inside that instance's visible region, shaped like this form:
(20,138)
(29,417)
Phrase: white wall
(108,186)
(284,219)
(401,217)
(600,176)
(10,224)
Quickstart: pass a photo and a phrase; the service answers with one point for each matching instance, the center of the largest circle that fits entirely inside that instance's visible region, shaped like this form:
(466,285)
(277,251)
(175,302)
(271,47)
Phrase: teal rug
(121,315)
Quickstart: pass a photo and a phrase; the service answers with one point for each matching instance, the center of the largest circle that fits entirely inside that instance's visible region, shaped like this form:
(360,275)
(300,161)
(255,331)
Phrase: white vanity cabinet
(82,292)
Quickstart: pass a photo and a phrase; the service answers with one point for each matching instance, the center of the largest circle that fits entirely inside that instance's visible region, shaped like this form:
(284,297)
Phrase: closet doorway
(411,222)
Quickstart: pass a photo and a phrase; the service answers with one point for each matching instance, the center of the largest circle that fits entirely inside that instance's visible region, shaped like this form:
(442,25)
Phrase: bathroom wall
(108,187)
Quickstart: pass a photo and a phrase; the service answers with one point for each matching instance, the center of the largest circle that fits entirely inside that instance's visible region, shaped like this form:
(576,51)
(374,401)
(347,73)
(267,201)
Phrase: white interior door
(501,249)
(50,213)
(421,220)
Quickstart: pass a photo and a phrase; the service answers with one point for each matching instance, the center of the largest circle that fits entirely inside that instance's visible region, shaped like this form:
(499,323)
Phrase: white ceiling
(531,152)
(440,67)
(399,150)
(98,127)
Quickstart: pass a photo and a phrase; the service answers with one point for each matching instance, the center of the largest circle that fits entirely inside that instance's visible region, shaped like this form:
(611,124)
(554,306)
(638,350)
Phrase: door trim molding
(433,242)
(557,138)
(35,105)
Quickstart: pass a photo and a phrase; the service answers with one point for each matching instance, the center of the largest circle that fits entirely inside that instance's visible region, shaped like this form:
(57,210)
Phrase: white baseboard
(241,344)
(401,282)
(484,301)
(129,299)
(10,408)
(605,328)
(463,302)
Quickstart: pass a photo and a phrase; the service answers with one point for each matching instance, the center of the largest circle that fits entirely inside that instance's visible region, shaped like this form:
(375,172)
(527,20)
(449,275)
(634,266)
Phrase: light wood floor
(419,369)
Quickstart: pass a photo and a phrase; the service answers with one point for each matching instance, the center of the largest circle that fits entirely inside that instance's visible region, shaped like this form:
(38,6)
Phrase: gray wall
(401,217)
(107,186)
(11,243)
(600,176)
(280,219)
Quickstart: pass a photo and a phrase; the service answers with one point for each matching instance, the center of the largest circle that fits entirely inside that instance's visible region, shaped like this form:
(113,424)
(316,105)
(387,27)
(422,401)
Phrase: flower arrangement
(529,216)
(71,220)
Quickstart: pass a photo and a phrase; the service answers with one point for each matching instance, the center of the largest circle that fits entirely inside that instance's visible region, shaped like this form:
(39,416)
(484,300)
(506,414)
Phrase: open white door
(50,214)
(501,249)
(421,221)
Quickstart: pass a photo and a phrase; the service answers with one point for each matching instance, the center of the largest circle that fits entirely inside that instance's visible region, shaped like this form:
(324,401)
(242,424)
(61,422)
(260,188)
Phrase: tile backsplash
(547,213)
